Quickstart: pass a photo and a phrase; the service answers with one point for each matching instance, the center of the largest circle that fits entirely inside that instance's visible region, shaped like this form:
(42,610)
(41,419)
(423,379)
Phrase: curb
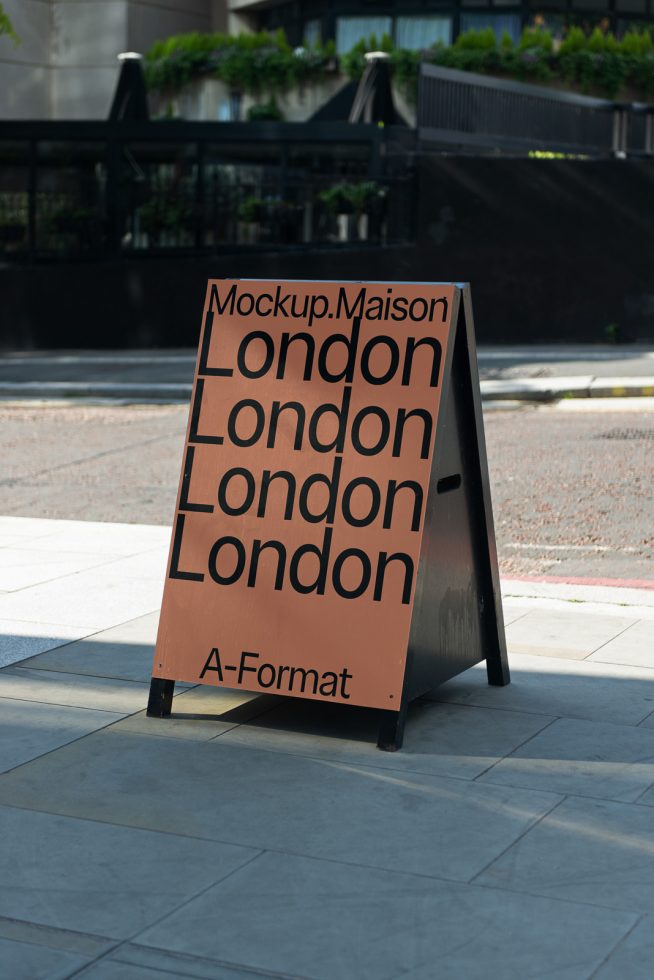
(95,389)
(552,389)
(526,389)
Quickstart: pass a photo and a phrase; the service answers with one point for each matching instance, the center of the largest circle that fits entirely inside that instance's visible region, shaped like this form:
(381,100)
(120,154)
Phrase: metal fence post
(620,128)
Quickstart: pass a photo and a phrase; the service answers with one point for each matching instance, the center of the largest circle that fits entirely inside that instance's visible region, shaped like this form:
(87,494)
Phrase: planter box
(210,100)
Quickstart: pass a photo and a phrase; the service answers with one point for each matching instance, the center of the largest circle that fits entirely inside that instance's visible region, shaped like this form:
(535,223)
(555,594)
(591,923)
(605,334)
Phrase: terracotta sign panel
(302,500)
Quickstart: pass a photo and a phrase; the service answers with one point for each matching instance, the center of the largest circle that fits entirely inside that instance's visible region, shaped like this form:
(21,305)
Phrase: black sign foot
(391,730)
(160,701)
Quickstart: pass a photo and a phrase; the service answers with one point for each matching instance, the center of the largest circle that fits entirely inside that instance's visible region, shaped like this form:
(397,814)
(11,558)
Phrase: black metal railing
(142,188)
(468,111)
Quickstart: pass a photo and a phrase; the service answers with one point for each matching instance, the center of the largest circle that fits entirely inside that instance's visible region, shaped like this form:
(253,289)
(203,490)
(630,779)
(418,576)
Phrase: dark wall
(556,250)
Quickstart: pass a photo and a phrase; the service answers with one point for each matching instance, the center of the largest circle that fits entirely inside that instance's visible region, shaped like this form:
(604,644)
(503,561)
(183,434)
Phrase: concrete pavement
(511,837)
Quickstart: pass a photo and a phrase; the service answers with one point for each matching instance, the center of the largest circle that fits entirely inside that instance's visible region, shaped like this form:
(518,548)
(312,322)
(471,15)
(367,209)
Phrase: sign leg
(160,701)
(391,730)
(497,669)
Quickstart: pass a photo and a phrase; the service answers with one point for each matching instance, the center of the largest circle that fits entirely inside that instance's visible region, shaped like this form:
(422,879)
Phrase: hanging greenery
(265,63)
(6,27)
(251,63)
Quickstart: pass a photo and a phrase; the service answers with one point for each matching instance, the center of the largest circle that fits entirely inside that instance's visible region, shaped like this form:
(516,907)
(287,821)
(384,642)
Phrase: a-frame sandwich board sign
(333,536)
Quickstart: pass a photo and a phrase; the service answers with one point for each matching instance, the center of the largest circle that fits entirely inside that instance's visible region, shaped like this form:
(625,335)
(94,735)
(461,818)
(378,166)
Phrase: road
(572,485)
(176,366)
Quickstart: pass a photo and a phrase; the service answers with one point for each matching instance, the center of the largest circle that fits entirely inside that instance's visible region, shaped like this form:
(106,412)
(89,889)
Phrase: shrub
(250,63)
(266,63)
(265,112)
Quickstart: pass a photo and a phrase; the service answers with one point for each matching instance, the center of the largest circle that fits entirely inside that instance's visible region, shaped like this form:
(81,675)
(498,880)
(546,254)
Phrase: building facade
(65,66)
(417,24)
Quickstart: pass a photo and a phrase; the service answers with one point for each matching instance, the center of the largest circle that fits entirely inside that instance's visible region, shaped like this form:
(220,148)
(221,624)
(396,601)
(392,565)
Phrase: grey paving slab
(635,647)
(147,564)
(556,686)
(195,715)
(633,958)
(124,652)
(32,527)
(559,633)
(93,877)
(647,722)
(22,567)
(96,598)
(583,758)
(413,822)
(20,640)
(447,739)
(513,611)
(586,850)
(9,540)
(322,919)
(20,961)
(99,537)
(101,693)
(29,729)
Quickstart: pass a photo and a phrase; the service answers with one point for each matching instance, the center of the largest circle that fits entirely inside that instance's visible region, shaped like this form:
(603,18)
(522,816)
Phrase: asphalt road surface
(176,366)
(572,485)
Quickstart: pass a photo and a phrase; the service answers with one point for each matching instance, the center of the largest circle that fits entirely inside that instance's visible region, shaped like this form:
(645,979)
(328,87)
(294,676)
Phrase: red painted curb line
(613,583)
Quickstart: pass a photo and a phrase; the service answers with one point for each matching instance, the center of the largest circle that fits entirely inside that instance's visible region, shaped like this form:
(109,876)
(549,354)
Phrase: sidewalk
(510,838)
(539,373)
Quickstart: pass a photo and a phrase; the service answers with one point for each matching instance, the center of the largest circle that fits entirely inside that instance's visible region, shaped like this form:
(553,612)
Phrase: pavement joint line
(116,823)
(57,578)
(43,755)
(193,958)
(646,790)
(532,825)
(272,850)
(516,747)
(555,898)
(606,642)
(38,934)
(24,665)
(76,707)
(615,948)
(202,891)
(366,766)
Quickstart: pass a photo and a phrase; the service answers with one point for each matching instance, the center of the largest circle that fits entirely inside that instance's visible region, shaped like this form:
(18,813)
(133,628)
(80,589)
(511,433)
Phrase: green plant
(347,198)
(250,63)
(250,210)
(477,40)
(166,210)
(536,38)
(575,40)
(265,112)
(265,62)
(6,27)
(612,333)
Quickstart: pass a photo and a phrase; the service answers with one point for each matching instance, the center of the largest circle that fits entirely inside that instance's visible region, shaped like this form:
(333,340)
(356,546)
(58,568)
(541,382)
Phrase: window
(417,33)
(312,32)
(511,23)
(598,5)
(349,30)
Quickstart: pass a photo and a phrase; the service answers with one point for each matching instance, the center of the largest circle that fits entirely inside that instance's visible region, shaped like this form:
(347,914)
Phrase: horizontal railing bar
(453,137)
(476,80)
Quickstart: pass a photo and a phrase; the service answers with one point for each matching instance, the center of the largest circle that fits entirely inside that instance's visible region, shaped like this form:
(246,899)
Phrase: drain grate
(627,434)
